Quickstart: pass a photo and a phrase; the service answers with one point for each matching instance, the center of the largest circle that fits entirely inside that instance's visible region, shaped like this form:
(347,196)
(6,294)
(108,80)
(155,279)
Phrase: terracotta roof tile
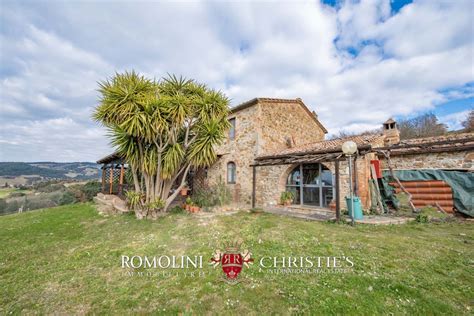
(329,145)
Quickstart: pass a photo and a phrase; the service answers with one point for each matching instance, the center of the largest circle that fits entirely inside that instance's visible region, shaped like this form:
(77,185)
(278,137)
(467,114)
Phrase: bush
(85,192)
(91,189)
(48,187)
(216,195)
(177,210)
(422,218)
(67,198)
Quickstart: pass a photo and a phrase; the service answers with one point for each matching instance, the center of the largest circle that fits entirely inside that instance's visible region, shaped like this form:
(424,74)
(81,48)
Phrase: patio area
(324,214)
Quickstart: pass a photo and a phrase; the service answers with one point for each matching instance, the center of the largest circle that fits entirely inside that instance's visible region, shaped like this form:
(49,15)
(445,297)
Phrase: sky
(356,63)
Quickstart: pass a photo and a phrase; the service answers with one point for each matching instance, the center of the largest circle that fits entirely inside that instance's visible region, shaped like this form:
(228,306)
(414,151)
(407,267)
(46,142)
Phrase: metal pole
(350,190)
(254,185)
(338,202)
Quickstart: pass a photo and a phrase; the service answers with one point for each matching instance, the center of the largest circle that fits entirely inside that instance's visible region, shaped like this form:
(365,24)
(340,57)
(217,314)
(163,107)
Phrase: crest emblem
(232,260)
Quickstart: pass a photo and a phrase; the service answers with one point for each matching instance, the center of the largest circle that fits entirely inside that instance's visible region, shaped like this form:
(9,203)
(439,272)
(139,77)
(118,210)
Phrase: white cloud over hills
(355,64)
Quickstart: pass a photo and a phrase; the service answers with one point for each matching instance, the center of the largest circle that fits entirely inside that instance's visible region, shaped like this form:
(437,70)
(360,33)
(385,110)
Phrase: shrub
(67,198)
(286,196)
(422,218)
(49,187)
(133,199)
(177,210)
(216,195)
(91,189)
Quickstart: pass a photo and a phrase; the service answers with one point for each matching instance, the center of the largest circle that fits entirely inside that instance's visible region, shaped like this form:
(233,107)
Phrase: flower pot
(184,192)
(187,207)
(287,203)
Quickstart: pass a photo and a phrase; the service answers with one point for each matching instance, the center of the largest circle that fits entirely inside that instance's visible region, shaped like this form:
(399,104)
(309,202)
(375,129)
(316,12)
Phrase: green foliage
(49,186)
(155,205)
(177,210)
(216,195)
(17,194)
(431,214)
(133,199)
(422,218)
(90,189)
(49,170)
(162,127)
(286,196)
(67,198)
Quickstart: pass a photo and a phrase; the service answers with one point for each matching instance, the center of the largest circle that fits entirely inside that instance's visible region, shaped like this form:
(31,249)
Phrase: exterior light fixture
(349,148)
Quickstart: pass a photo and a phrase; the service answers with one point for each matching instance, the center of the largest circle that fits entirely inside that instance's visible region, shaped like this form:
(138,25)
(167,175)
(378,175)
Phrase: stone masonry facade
(263,126)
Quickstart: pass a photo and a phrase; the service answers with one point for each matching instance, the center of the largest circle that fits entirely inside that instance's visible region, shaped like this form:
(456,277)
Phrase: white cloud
(454,120)
(355,66)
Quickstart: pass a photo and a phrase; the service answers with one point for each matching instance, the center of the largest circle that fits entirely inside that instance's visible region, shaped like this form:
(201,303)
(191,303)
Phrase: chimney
(391,132)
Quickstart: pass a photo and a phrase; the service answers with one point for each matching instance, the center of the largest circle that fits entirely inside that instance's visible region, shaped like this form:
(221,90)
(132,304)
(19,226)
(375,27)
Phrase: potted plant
(188,204)
(184,191)
(287,197)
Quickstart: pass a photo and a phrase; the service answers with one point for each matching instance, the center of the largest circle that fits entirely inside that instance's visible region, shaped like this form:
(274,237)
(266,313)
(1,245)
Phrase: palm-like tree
(162,129)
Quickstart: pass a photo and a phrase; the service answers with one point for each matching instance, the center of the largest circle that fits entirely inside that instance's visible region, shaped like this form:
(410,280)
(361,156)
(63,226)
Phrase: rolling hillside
(26,173)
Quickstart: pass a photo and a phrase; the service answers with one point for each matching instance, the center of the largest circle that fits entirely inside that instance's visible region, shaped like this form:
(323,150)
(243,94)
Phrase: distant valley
(27,173)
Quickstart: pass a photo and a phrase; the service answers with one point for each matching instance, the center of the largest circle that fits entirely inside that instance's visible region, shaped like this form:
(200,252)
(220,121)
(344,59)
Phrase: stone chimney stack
(391,132)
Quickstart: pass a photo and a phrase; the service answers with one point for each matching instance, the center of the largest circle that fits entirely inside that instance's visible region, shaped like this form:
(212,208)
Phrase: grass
(66,260)
(5,192)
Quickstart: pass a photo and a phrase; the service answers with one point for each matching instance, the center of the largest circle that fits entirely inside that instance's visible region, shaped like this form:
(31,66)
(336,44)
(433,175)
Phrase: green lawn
(67,260)
(5,192)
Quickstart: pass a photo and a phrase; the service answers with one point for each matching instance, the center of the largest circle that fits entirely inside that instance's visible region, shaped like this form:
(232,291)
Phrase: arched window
(311,184)
(231,172)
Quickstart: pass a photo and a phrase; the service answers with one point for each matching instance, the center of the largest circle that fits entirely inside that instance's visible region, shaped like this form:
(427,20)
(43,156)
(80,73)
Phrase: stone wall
(445,160)
(260,129)
(281,122)
(241,150)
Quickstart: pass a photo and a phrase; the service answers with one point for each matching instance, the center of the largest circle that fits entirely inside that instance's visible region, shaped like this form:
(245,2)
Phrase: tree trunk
(136,182)
(171,198)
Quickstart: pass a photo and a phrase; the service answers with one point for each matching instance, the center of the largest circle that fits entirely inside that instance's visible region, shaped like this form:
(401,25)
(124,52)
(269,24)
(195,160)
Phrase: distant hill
(50,170)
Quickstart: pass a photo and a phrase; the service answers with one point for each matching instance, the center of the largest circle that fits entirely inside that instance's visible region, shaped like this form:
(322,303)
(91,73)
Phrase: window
(231,172)
(312,184)
(232,128)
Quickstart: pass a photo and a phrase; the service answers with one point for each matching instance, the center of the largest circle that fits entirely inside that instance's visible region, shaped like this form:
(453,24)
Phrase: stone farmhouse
(277,145)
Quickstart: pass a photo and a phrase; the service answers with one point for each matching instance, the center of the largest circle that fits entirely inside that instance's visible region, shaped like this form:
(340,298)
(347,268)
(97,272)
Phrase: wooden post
(104,168)
(111,180)
(254,185)
(338,201)
(121,179)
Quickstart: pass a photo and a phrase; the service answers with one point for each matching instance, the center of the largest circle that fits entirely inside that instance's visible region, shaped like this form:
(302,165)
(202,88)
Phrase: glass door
(311,184)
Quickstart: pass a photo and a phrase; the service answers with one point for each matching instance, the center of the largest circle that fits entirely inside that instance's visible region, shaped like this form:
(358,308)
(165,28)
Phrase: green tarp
(461,182)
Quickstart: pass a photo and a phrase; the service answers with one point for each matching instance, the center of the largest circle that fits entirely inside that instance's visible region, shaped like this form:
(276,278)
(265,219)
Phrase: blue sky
(355,63)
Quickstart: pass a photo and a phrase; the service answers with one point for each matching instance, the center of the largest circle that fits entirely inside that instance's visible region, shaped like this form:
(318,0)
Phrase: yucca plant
(162,129)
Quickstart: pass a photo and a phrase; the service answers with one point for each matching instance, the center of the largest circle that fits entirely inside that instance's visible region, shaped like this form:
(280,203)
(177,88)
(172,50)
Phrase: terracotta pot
(184,192)
(187,207)
(287,203)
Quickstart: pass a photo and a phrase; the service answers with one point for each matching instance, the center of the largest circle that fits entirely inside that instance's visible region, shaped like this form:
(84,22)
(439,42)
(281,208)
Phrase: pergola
(113,173)
(328,155)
